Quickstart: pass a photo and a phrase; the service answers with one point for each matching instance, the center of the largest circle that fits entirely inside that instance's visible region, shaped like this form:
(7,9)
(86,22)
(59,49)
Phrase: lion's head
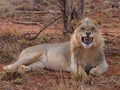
(87,34)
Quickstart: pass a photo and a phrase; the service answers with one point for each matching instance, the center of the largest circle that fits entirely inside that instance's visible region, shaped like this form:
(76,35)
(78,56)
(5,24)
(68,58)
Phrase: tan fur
(75,23)
(69,56)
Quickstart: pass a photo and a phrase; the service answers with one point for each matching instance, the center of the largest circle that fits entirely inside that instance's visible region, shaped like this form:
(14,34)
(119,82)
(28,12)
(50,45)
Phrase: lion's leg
(73,65)
(100,69)
(77,71)
(23,60)
(35,65)
(32,67)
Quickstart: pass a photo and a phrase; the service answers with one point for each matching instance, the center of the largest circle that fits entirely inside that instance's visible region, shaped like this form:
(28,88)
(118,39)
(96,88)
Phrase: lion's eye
(93,29)
(82,28)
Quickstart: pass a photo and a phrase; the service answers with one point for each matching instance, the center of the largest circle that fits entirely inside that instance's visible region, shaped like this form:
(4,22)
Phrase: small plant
(115,24)
(7,56)
(6,8)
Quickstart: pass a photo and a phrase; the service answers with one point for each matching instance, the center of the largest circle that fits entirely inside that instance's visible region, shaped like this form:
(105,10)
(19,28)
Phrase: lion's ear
(98,22)
(75,23)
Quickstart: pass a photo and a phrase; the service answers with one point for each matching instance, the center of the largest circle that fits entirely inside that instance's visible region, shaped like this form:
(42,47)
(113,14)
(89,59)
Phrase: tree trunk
(67,16)
(72,9)
(80,8)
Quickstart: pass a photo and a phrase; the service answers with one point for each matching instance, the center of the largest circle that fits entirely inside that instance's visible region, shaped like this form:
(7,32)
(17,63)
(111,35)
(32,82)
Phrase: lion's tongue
(87,39)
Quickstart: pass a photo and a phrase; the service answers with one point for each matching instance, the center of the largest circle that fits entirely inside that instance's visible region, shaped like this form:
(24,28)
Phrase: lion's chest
(87,59)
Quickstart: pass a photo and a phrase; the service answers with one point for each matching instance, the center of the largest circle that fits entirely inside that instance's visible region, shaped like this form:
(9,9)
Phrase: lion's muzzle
(87,40)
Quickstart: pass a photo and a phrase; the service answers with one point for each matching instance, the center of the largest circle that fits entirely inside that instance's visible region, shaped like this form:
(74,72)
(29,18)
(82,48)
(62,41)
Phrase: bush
(6,8)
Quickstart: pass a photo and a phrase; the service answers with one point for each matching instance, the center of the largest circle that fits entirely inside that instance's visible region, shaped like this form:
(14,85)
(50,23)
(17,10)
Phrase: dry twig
(38,12)
(24,22)
(44,27)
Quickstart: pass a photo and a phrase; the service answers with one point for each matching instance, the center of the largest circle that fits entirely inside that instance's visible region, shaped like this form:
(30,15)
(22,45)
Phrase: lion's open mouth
(87,40)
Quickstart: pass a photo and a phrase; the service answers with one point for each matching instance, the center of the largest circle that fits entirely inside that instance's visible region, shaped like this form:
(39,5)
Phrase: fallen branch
(24,22)
(44,27)
(39,12)
(112,52)
(106,34)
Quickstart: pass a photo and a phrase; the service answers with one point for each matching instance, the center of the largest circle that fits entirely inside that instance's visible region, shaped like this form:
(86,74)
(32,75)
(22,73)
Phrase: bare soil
(13,41)
(53,80)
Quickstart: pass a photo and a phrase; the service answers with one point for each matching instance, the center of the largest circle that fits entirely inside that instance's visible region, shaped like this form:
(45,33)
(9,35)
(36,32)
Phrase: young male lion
(84,51)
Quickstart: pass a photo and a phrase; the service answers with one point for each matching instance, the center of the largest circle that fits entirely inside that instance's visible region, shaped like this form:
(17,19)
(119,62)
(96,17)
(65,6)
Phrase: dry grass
(6,8)
(11,44)
(45,79)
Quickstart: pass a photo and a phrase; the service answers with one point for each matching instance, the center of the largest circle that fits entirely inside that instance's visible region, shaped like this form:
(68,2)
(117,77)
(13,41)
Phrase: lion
(83,52)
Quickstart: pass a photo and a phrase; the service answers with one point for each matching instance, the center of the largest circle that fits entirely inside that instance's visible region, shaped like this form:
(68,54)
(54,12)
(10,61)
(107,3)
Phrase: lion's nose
(88,33)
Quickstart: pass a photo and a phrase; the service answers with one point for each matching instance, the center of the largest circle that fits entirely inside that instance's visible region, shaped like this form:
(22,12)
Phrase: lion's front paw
(24,68)
(95,72)
(9,68)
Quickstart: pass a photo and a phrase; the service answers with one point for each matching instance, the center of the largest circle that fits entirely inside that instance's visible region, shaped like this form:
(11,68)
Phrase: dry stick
(45,27)
(112,52)
(23,22)
(39,12)
(107,34)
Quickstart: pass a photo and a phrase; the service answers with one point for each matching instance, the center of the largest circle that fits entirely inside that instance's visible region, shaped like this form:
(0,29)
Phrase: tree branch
(24,22)
(45,27)
(39,12)
(112,52)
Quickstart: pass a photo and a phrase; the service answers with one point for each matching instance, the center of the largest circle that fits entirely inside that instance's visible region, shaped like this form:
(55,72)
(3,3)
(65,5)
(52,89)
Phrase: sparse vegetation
(115,24)
(6,8)
(14,38)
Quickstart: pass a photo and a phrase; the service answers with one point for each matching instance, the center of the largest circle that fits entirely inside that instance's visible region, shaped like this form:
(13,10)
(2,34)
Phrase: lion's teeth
(87,39)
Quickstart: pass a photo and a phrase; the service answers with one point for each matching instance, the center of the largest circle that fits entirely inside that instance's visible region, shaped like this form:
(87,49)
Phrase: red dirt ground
(52,80)
(106,11)
(7,26)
